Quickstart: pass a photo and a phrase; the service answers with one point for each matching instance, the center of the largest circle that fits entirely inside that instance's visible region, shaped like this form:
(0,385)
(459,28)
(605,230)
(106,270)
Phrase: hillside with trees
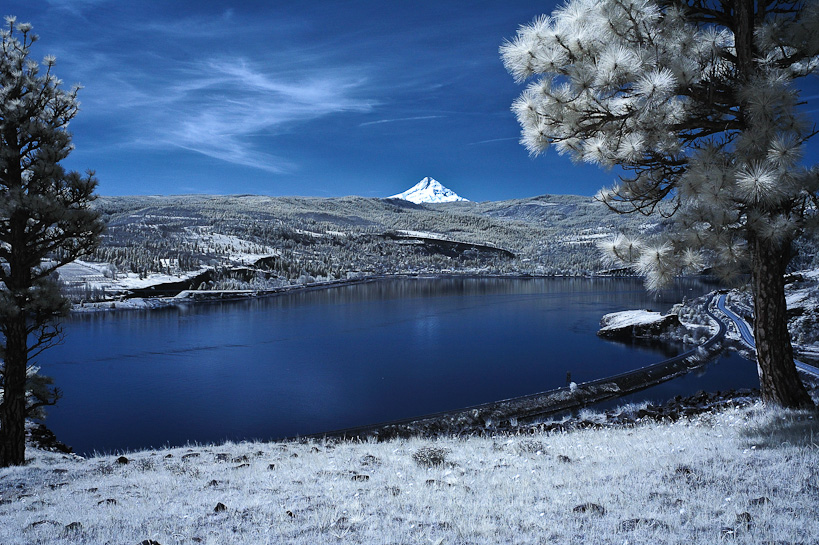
(260,242)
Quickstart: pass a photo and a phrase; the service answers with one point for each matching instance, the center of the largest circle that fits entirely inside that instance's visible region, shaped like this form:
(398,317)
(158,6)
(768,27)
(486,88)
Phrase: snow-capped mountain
(428,190)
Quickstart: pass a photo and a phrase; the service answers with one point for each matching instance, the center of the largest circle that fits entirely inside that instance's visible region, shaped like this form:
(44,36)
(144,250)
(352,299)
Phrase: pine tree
(696,101)
(45,222)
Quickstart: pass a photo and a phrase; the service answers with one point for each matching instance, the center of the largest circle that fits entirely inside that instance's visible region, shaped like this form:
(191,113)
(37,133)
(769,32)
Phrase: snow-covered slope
(428,190)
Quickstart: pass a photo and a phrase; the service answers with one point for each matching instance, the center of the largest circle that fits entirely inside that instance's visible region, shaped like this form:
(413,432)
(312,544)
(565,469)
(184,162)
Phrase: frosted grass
(746,475)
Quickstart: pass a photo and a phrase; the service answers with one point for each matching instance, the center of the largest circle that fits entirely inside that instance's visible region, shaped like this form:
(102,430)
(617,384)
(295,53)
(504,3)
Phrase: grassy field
(741,475)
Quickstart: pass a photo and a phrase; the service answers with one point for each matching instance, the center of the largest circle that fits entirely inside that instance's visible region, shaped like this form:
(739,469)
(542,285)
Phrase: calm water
(327,359)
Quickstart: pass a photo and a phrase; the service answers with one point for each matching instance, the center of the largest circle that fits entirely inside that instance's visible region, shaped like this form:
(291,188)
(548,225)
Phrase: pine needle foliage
(696,100)
(45,222)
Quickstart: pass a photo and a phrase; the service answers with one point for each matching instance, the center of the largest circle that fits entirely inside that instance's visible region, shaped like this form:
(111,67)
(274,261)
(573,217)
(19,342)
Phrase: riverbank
(735,471)
(185,297)
(510,415)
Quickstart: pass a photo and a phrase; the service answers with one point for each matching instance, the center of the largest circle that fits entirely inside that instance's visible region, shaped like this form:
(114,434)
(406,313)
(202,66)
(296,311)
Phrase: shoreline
(215,296)
(509,415)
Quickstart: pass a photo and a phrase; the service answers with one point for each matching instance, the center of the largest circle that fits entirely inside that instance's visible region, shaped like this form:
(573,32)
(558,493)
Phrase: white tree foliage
(659,88)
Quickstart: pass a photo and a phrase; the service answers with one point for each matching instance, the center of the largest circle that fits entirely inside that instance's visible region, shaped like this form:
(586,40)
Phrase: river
(325,359)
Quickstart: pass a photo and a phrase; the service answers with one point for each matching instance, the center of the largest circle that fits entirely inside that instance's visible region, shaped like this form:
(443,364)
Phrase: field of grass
(741,475)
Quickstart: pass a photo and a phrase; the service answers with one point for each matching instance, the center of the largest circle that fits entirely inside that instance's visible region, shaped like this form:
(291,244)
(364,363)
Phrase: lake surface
(333,358)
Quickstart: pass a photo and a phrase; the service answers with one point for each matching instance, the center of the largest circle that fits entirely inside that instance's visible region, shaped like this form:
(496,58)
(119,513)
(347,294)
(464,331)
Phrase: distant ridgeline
(256,242)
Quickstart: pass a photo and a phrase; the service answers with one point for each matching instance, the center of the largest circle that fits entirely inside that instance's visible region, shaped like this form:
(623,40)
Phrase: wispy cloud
(396,120)
(226,105)
(493,140)
(227,108)
(242,85)
(75,7)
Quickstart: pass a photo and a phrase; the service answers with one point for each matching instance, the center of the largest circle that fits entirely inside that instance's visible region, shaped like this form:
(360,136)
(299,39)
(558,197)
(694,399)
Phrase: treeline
(266,241)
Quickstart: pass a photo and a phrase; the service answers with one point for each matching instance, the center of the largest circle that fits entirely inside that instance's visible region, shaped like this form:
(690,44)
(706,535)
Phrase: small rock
(633,524)
(562,458)
(214,482)
(222,456)
(762,500)
(290,514)
(169,455)
(41,522)
(663,496)
(727,532)
(240,459)
(220,507)
(91,490)
(241,466)
(122,460)
(531,446)
(73,527)
(149,542)
(360,477)
(744,520)
(190,455)
(108,501)
(590,508)
(369,460)
(394,490)
(271,467)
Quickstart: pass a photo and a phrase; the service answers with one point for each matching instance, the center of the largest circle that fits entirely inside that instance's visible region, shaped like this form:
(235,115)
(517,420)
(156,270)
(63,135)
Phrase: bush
(428,456)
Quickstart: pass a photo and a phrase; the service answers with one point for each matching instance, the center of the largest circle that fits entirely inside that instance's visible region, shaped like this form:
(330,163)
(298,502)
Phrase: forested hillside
(257,242)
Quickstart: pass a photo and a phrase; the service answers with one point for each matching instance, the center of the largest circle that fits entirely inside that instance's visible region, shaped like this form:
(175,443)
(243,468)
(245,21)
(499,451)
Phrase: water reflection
(326,359)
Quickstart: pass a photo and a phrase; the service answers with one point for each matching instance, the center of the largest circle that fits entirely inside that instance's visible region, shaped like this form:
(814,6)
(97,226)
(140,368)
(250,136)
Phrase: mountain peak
(428,190)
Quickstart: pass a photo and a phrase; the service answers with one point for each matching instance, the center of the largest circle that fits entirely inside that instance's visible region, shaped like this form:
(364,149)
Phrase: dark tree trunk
(13,408)
(779,381)
(45,222)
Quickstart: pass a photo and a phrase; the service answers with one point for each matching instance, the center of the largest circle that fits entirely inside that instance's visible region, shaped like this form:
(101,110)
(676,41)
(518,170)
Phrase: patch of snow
(80,271)
(629,318)
(428,190)
(420,234)
(133,281)
(238,250)
(794,298)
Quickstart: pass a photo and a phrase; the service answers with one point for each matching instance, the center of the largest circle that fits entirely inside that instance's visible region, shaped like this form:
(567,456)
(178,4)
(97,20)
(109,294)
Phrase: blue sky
(323,98)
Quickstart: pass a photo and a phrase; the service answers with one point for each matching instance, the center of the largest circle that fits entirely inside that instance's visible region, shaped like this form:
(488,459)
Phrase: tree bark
(778,378)
(13,408)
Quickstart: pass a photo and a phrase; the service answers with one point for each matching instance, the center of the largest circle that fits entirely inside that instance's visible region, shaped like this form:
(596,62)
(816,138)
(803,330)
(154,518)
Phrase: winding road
(748,337)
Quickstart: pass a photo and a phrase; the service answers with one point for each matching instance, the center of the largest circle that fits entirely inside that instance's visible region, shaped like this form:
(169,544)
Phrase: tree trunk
(13,408)
(779,381)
